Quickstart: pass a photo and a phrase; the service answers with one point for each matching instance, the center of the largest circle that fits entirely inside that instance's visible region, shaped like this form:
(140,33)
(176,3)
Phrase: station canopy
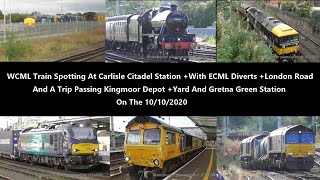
(208,124)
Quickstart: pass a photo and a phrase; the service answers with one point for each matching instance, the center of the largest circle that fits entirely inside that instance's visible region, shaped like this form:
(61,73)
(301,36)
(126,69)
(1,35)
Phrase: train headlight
(96,150)
(168,46)
(127,158)
(75,150)
(290,154)
(156,162)
(179,39)
(309,153)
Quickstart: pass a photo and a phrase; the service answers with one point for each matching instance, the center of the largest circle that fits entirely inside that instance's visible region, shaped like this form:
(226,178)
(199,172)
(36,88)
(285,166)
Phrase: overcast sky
(53,6)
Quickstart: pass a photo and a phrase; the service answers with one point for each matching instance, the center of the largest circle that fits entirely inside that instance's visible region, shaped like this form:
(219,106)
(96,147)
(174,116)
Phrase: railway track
(43,172)
(201,54)
(4,177)
(84,56)
(317,157)
(116,161)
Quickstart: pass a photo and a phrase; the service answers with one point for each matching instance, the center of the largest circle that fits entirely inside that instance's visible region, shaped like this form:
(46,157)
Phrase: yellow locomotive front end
(300,151)
(286,41)
(143,149)
(142,145)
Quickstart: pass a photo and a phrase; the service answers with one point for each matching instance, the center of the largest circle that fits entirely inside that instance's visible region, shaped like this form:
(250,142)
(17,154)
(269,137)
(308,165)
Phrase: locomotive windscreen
(304,138)
(151,136)
(83,133)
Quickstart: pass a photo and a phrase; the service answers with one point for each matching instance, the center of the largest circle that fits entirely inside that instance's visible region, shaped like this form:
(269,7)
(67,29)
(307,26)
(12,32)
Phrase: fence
(50,29)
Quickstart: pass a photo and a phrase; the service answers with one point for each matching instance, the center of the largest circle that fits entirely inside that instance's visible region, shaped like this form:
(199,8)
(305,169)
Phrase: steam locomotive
(159,32)
(72,146)
(287,148)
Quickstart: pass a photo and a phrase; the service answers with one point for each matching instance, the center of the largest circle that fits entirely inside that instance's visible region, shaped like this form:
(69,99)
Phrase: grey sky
(53,6)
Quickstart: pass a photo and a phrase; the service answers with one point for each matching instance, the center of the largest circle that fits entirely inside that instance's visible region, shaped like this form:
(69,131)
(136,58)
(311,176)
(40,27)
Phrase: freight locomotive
(159,32)
(72,146)
(283,39)
(153,147)
(287,148)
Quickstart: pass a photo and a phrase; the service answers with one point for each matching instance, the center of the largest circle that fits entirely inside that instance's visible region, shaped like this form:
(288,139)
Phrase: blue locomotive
(72,146)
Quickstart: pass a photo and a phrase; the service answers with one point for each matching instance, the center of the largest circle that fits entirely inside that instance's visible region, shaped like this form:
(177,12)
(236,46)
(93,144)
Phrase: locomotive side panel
(8,143)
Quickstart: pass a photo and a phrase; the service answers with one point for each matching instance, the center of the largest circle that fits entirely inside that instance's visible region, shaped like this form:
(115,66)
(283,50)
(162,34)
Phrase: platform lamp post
(113,142)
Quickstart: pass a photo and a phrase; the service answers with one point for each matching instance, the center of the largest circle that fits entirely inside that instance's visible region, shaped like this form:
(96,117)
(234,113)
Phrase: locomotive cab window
(292,138)
(170,138)
(133,137)
(151,136)
(83,133)
(307,138)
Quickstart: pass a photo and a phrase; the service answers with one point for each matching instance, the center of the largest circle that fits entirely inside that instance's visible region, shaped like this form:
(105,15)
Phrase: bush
(230,149)
(315,23)
(14,49)
(289,6)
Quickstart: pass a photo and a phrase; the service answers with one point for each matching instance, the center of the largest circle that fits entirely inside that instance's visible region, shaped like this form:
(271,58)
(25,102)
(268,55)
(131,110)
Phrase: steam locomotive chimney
(174,7)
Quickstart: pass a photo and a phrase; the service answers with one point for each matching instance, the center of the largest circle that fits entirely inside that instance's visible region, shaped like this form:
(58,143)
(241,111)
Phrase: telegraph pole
(4,20)
(313,123)
(117,8)
(260,124)
(225,125)
(279,121)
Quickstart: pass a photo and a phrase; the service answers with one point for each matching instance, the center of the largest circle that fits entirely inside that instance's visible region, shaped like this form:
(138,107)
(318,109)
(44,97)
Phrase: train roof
(291,129)
(118,18)
(272,24)
(143,119)
(284,30)
(249,139)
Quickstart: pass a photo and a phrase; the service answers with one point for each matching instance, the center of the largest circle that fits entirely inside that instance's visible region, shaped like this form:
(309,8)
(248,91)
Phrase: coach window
(151,136)
(51,139)
(170,138)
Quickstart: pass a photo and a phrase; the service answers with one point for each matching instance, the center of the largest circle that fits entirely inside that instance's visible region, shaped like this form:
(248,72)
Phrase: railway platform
(201,167)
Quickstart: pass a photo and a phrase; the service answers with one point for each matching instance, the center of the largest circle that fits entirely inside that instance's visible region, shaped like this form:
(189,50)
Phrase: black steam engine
(160,33)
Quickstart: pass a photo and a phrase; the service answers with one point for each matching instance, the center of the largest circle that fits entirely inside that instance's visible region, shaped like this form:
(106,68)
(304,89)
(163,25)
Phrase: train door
(65,144)
(182,143)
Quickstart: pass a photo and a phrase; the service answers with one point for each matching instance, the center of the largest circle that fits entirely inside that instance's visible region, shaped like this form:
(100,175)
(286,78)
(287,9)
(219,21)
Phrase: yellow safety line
(206,177)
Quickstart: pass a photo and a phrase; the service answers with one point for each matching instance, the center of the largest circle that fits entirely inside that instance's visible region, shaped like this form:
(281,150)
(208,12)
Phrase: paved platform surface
(203,167)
